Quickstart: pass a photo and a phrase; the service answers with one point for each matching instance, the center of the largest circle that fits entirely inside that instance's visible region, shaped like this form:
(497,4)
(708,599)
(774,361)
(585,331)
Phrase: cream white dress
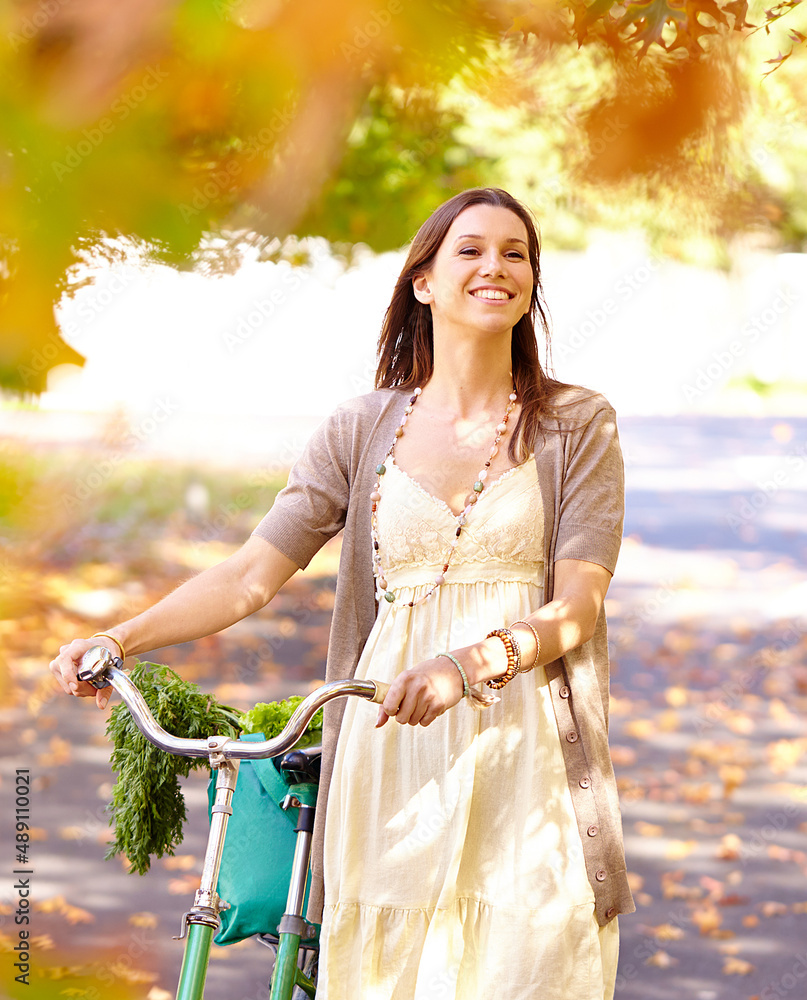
(453,864)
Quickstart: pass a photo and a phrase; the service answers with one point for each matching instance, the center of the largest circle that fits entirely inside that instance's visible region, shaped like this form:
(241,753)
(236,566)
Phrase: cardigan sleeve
(592,501)
(312,507)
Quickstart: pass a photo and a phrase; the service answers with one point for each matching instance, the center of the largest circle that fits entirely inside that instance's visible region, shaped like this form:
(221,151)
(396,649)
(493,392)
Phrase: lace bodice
(502,540)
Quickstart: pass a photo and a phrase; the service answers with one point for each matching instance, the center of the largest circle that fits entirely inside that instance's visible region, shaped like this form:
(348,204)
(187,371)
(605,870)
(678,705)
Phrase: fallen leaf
(665,932)
(707,919)
(640,729)
(678,849)
(773,909)
(737,967)
(76,915)
(125,972)
(697,794)
(672,889)
(785,754)
(661,960)
(668,721)
(647,829)
(179,886)
(180,862)
(732,776)
(72,832)
(732,899)
(750,920)
(635,881)
(623,756)
(144,919)
(676,697)
(730,847)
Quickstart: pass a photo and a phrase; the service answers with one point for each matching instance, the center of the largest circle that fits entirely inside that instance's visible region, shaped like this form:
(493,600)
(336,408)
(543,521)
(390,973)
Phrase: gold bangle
(513,649)
(526,670)
(118,643)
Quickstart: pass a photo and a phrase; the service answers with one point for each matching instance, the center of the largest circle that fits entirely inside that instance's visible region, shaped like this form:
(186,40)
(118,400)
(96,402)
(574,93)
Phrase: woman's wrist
(110,636)
(484,660)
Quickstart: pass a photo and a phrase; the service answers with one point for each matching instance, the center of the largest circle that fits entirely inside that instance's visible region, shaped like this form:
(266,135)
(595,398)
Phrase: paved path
(708,617)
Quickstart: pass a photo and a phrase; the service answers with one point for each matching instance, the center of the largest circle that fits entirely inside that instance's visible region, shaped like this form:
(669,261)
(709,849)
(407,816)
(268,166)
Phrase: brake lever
(94,666)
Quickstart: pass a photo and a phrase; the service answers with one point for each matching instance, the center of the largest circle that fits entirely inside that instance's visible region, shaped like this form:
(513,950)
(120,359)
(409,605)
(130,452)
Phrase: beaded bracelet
(466,687)
(526,670)
(118,643)
(513,657)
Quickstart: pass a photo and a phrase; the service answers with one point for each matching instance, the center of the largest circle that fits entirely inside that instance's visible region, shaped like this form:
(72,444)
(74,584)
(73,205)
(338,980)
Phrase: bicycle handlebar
(98,667)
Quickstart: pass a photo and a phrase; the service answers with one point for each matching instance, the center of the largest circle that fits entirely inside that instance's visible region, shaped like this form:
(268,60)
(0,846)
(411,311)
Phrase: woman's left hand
(421,694)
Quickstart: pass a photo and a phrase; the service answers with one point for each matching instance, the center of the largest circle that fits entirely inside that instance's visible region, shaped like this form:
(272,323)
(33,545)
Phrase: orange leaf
(678,849)
(707,919)
(661,960)
(737,967)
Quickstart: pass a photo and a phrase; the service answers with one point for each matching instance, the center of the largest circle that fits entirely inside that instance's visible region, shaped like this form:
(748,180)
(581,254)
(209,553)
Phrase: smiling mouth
(492,295)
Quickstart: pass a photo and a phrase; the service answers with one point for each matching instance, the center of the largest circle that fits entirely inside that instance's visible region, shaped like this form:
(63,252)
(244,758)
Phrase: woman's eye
(467,251)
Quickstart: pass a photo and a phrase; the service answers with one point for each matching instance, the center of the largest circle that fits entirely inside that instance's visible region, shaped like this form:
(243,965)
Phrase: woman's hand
(421,694)
(65,669)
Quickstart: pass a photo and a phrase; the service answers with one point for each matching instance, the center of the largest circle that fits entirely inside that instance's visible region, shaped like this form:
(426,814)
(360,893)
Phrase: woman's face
(481,277)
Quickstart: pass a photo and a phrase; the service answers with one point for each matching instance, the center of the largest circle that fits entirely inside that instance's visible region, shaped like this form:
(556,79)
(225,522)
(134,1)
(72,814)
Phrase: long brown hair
(405,346)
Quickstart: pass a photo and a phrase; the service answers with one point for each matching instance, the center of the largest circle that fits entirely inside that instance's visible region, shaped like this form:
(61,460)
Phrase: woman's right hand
(65,669)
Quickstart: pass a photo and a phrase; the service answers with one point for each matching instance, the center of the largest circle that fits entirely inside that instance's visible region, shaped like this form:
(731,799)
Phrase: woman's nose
(492,264)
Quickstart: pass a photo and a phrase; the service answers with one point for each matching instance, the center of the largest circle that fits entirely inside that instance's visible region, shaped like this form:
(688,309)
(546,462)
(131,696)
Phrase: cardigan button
(601,875)
(585,782)
(593,830)
(565,691)
(572,737)
(610,912)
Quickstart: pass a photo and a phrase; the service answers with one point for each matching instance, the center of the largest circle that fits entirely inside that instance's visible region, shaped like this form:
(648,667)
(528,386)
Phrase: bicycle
(201,922)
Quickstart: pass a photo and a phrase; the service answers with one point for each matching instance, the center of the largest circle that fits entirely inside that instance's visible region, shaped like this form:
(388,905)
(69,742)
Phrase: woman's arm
(207,603)
(420,695)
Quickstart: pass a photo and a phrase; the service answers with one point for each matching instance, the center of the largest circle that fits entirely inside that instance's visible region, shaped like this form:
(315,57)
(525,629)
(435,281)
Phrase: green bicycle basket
(258,852)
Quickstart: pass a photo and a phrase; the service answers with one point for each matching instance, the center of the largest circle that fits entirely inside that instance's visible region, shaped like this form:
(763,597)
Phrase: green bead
(380,469)
(389,596)
(478,486)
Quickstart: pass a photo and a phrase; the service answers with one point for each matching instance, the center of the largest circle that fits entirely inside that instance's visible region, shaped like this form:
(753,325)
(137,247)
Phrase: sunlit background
(204,206)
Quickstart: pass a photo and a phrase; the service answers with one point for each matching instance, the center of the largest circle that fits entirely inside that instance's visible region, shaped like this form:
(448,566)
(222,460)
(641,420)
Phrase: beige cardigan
(581,477)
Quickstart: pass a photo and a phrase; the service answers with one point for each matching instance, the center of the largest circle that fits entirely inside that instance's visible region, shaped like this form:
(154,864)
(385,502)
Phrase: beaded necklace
(382,587)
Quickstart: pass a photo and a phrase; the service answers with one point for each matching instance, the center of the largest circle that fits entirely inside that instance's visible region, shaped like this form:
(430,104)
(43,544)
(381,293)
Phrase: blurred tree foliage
(154,123)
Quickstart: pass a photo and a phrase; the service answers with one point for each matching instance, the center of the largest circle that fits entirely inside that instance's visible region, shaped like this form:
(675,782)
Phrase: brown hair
(405,346)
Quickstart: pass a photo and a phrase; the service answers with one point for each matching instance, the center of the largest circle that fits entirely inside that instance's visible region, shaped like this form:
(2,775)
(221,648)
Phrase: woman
(475,848)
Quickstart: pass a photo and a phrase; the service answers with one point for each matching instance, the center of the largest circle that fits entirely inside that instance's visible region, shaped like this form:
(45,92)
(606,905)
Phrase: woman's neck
(468,381)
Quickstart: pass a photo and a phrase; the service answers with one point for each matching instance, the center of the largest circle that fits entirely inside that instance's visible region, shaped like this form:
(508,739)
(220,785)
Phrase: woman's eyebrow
(476,236)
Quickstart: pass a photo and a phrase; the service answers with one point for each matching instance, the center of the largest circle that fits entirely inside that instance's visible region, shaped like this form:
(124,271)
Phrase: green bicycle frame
(202,920)
(194,963)
(293,928)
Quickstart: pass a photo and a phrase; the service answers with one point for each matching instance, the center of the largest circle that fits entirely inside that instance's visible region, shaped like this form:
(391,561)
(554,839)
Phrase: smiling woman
(467,568)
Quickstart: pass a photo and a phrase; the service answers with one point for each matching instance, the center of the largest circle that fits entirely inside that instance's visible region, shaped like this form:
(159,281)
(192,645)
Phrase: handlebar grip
(381,689)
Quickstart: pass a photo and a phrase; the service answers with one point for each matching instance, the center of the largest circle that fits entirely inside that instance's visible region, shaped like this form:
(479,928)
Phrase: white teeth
(490,293)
